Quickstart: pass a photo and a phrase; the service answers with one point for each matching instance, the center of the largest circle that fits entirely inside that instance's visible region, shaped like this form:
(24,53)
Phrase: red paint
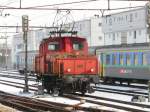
(66,60)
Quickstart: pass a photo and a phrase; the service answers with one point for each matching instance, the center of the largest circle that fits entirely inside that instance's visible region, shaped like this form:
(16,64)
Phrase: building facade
(91,29)
(34,39)
(126,27)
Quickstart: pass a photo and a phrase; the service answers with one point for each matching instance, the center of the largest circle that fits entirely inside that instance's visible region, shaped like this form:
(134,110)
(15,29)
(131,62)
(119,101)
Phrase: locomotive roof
(60,38)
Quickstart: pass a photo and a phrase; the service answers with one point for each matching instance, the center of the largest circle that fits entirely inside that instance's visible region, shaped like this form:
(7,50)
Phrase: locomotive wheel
(55,92)
(83,92)
(61,92)
(47,90)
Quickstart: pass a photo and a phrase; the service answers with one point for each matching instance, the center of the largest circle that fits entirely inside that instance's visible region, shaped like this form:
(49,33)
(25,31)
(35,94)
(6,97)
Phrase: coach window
(136,59)
(140,58)
(145,59)
(132,58)
(114,57)
(128,59)
(124,58)
(121,58)
(148,58)
(107,62)
(118,58)
(53,46)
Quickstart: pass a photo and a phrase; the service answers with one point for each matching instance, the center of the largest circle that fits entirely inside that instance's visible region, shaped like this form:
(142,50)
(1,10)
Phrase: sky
(46,17)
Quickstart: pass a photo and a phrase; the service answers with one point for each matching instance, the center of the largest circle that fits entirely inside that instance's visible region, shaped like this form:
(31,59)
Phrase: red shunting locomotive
(64,65)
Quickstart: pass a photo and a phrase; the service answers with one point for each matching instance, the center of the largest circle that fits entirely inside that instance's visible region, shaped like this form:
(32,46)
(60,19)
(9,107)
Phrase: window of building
(106,20)
(139,32)
(19,46)
(113,36)
(130,33)
(134,34)
(126,17)
(110,21)
(114,19)
(136,14)
(80,27)
(118,34)
(100,37)
(131,17)
(109,35)
(99,24)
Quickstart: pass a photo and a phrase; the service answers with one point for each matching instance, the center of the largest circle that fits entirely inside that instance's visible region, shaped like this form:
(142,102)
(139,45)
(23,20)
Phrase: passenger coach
(124,63)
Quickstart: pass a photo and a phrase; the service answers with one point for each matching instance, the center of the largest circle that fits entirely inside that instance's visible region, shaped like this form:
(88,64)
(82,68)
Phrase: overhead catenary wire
(77,9)
(66,3)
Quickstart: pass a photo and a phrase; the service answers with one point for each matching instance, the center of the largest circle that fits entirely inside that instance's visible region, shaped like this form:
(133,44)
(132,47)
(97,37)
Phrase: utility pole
(6,54)
(148,31)
(25,32)
(108,4)
(20,4)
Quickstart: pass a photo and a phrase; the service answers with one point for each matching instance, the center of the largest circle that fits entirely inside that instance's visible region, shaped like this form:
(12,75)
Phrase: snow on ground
(18,91)
(17,80)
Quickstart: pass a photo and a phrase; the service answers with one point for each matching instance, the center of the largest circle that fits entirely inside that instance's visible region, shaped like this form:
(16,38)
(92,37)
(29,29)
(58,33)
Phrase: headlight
(92,69)
(68,70)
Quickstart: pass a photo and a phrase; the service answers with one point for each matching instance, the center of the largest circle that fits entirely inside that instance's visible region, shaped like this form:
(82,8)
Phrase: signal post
(148,24)
(25,32)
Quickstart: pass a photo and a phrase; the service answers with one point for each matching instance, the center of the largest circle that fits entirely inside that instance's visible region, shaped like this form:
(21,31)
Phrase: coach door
(123,37)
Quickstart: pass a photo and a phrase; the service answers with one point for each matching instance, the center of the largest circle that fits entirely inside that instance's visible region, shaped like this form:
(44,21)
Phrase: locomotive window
(77,46)
(53,47)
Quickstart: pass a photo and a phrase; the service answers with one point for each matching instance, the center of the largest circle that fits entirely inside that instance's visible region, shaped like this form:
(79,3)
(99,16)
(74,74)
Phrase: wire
(78,9)
(66,3)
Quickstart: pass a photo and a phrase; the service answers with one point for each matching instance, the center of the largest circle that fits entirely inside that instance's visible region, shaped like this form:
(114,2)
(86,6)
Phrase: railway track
(122,92)
(143,86)
(103,101)
(117,104)
(34,105)
(16,76)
